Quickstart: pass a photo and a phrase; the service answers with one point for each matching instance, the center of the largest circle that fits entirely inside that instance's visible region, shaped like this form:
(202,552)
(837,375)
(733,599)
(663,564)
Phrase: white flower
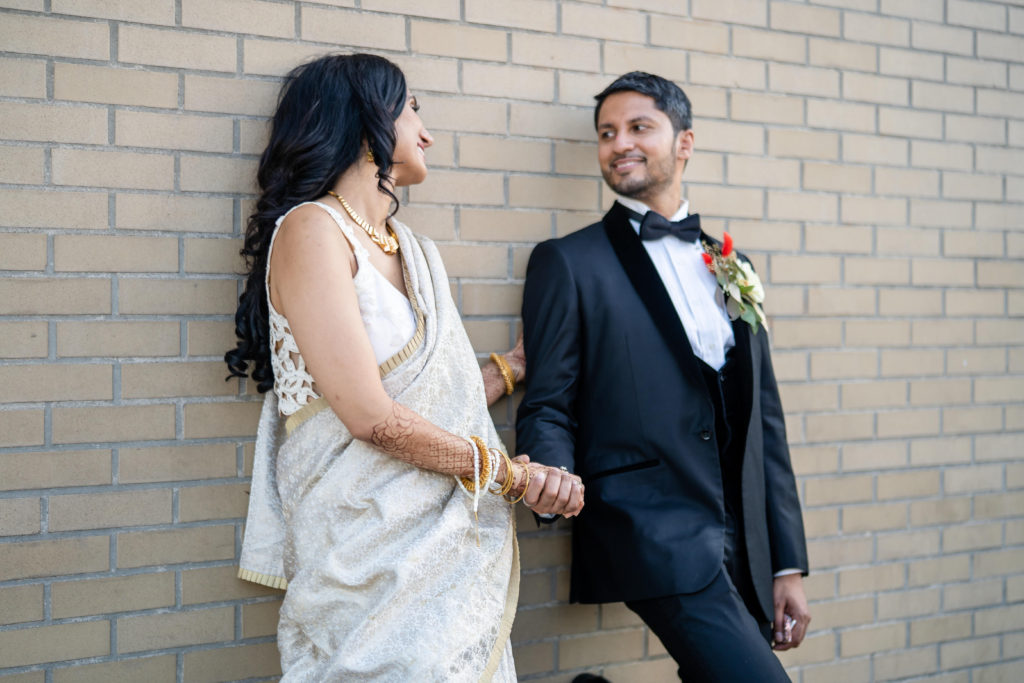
(750,279)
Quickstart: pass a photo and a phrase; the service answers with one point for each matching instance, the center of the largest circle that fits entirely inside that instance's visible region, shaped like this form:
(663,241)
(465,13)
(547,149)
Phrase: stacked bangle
(506,373)
(489,470)
(509,475)
(485,466)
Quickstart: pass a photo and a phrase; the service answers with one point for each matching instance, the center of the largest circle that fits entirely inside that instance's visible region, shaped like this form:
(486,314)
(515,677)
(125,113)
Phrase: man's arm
(546,423)
(785,522)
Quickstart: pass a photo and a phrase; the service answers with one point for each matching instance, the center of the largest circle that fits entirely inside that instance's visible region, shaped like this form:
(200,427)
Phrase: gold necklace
(387,243)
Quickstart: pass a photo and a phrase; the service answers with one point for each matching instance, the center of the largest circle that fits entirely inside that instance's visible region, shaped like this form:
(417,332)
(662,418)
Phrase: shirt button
(706,435)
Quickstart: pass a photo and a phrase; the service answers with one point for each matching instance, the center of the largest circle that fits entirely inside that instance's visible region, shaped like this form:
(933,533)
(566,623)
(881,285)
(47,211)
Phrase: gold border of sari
(509,615)
(278,582)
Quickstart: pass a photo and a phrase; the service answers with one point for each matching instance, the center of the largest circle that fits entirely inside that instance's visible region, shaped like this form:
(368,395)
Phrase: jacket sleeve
(785,522)
(546,421)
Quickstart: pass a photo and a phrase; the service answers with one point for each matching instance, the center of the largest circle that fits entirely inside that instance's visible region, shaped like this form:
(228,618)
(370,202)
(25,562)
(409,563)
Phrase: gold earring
(369,156)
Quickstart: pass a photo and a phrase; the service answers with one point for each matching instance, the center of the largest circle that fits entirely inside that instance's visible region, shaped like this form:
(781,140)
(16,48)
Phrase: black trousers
(712,634)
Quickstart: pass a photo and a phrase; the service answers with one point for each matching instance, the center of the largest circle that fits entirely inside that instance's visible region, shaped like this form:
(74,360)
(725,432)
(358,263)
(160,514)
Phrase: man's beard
(647,185)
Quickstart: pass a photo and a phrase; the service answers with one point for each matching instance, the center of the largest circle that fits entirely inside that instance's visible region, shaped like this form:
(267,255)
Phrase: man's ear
(684,144)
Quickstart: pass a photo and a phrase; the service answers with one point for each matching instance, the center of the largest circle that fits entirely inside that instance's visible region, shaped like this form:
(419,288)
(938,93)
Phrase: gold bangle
(525,487)
(509,476)
(485,460)
(506,373)
(509,479)
(485,465)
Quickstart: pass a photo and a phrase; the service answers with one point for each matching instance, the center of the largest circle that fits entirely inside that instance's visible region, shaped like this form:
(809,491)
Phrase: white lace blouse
(391,321)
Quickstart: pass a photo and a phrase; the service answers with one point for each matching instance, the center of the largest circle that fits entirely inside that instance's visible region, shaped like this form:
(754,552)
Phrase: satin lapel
(644,276)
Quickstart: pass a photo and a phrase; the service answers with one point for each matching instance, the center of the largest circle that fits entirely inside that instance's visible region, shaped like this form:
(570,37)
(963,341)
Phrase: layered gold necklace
(388,243)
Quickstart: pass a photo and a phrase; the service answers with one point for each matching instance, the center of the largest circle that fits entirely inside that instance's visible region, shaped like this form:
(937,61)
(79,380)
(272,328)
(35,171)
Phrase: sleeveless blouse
(393,323)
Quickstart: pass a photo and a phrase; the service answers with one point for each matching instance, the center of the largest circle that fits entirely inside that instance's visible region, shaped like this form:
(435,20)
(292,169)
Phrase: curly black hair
(327,110)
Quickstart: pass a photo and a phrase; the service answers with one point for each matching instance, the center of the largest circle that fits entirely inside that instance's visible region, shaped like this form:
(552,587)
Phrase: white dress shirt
(692,288)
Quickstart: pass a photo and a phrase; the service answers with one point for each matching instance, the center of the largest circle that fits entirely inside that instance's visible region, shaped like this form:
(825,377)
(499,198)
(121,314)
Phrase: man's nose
(623,142)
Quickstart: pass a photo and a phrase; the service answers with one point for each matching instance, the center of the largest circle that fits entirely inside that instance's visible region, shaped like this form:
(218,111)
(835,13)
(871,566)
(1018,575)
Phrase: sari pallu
(385,578)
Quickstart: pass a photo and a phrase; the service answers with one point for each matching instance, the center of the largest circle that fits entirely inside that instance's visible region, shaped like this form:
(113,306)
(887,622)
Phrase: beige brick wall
(868,155)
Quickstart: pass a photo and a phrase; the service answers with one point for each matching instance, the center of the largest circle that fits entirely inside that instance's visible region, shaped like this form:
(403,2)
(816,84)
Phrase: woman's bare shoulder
(311,215)
(310,227)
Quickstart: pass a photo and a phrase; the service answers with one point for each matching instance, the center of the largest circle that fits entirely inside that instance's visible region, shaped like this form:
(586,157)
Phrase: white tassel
(493,486)
(476,478)
(476,491)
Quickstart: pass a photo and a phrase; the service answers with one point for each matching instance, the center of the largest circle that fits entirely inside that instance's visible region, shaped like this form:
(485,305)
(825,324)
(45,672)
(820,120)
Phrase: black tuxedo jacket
(616,395)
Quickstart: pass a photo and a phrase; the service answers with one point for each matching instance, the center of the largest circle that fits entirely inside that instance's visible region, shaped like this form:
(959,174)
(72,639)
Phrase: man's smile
(626,164)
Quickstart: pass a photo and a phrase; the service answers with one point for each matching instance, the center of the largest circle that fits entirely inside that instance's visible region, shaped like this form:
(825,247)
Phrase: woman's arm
(312,285)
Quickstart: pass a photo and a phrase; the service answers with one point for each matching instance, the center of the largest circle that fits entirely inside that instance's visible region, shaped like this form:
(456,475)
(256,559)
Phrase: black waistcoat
(731,420)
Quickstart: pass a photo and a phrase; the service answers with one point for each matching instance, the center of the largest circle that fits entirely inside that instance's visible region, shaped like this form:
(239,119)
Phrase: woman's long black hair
(326,110)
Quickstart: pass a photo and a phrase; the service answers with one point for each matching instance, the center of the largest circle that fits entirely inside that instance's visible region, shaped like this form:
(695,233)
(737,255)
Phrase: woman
(375,456)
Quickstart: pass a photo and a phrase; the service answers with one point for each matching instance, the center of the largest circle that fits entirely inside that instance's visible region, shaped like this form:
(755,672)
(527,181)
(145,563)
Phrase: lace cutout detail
(292,382)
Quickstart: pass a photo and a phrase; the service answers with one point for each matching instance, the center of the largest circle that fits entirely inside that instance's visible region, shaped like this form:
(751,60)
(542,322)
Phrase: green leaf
(750,317)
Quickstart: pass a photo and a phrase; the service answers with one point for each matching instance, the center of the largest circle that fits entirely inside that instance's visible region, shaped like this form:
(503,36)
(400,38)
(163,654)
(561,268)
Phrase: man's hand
(790,601)
(552,490)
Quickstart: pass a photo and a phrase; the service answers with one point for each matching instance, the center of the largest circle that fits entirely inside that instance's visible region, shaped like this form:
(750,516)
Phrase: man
(669,410)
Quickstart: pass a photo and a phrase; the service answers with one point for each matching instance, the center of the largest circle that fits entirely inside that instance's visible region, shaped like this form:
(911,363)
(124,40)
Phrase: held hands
(791,614)
(551,490)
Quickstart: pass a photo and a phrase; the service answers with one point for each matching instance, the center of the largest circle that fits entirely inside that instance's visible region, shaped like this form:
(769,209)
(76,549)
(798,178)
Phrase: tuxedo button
(706,435)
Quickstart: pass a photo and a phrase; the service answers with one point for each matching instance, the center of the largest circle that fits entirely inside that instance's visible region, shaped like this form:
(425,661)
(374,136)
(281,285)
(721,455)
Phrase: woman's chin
(411,178)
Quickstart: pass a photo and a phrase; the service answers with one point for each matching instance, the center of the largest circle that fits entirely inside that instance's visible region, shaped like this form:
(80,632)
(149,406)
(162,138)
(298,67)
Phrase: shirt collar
(641,208)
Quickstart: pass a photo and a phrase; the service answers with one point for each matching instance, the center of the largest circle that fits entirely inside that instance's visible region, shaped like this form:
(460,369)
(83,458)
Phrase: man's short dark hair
(667,96)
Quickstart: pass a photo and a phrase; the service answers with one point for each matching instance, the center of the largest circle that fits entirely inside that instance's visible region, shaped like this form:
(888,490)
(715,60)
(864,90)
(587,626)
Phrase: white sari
(385,578)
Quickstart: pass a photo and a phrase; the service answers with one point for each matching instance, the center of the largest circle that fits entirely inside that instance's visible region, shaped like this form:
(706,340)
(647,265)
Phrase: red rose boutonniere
(740,285)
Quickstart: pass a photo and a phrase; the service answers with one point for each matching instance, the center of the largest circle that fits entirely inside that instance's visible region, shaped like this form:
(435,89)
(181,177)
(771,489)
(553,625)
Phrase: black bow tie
(654,226)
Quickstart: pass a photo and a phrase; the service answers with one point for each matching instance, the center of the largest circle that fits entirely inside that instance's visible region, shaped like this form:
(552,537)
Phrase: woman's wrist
(508,376)
(503,472)
(483,466)
(520,483)
(516,365)
(522,473)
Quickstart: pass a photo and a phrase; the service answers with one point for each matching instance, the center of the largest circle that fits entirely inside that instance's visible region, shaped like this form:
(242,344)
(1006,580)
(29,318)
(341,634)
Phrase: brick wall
(869,155)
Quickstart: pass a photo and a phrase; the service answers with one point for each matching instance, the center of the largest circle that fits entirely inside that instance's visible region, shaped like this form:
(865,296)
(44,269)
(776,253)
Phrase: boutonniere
(740,285)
